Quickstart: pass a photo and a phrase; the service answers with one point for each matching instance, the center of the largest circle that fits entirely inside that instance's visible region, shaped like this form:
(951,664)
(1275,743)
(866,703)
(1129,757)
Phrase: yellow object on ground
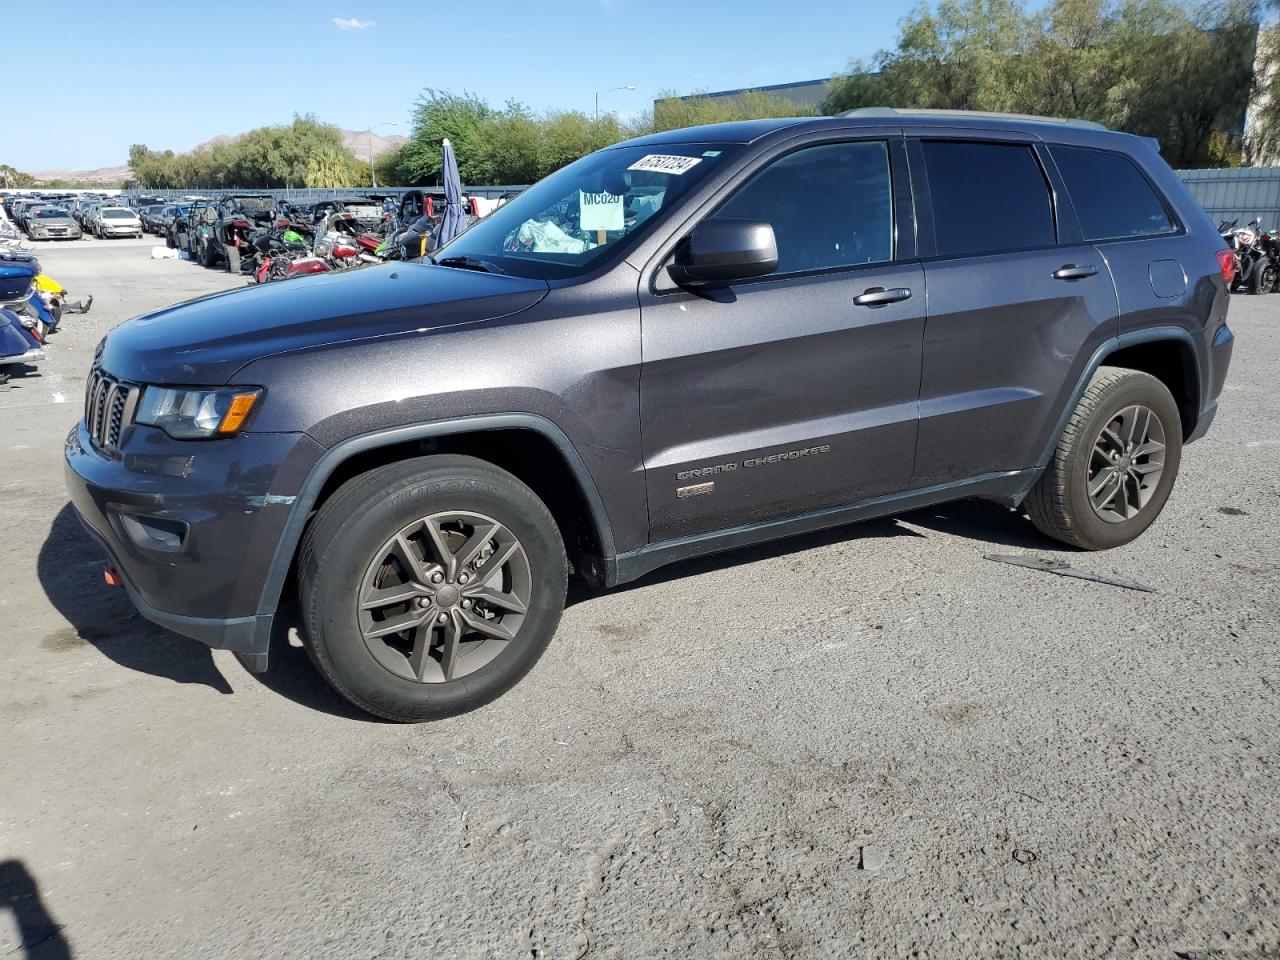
(49,285)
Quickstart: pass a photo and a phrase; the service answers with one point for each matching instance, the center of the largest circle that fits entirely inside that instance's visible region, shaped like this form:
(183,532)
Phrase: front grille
(108,408)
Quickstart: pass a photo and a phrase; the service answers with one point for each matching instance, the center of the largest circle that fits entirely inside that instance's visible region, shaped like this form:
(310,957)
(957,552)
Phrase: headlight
(197,412)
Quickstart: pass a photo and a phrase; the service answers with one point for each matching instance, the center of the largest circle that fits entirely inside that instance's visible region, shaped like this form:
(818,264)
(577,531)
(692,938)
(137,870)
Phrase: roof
(749,131)
(935,115)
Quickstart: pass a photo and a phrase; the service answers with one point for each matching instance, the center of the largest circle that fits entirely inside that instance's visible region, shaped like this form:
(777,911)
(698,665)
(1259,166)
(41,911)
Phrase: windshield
(51,213)
(587,213)
(118,214)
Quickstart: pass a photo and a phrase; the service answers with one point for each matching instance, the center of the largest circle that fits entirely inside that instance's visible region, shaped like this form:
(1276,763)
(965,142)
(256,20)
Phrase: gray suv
(680,344)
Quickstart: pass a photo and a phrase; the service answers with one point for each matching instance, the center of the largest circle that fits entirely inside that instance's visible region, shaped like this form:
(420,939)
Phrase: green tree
(671,112)
(1176,71)
(10,177)
(462,118)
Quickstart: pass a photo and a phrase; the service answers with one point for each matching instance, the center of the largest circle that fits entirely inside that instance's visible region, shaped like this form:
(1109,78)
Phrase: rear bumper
(192,527)
(1219,355)
(33,355)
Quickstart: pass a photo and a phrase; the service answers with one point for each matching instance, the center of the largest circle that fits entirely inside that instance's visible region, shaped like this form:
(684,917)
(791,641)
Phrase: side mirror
(721,251)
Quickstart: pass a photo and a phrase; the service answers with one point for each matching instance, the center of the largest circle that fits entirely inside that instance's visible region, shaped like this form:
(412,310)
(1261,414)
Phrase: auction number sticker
(666,163)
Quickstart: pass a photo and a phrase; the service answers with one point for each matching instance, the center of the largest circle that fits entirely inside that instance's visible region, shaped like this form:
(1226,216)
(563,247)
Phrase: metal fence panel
(1237,193)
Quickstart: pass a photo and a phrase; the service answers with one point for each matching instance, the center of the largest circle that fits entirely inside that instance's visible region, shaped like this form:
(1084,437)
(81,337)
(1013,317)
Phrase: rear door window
(987,197)
(1112,198)
(829,205)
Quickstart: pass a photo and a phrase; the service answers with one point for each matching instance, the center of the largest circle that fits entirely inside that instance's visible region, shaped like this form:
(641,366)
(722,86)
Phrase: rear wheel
(233,260)
(430,587)
(1114,465)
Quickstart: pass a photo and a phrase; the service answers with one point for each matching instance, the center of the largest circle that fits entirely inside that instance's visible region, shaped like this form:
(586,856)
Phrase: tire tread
(1048,503)
(340,511)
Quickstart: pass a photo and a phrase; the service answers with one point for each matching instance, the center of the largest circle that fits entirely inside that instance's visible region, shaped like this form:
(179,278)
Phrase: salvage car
(681,344)
(52,223)
(223,234)
(152,217)
(117,222)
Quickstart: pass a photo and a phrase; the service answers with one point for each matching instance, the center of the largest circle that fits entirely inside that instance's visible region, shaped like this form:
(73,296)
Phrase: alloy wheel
(1126,463)
(444,596)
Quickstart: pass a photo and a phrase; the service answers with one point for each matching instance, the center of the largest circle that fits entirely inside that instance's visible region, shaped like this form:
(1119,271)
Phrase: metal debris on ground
(1065,570)
(873,858)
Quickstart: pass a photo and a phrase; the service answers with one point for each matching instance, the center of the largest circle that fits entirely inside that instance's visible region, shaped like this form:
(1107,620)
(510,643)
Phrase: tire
(1059,504)
(170,242)
(233,260)
(1259,280)
(349,553)
(202,255)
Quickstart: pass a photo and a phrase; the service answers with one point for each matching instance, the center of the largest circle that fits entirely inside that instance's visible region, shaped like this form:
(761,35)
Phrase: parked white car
(117,222)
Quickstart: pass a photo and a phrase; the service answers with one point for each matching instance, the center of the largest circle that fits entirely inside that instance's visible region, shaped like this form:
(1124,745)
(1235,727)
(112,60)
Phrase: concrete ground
(870,742)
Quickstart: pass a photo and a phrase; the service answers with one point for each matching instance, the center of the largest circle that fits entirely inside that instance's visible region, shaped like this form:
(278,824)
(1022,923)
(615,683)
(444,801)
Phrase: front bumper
(192,526)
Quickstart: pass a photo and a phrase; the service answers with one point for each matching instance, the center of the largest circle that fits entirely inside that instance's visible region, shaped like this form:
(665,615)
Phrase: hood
(53,222)
(206,341)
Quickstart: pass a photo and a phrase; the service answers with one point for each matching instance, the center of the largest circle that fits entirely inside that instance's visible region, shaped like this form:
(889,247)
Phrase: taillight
(1227,264)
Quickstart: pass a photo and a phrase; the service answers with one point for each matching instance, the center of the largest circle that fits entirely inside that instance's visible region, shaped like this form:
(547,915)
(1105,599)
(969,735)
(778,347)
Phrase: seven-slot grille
(108,407)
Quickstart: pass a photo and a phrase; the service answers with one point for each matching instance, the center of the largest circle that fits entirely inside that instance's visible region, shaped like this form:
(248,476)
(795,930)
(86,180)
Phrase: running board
(1008,488)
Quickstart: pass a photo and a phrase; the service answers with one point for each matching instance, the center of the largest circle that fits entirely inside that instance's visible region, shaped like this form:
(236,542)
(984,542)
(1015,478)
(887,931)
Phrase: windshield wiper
(468,263)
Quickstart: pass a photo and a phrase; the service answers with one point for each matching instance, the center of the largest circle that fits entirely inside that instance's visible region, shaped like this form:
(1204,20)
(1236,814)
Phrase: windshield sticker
(600,211)
(666,163)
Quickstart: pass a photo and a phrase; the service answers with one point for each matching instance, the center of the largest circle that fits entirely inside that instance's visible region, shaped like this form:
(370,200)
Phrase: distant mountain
(101,175)
(357,141)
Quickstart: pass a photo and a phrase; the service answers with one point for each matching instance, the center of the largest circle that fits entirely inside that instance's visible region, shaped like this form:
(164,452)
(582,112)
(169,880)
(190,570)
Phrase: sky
(174,73)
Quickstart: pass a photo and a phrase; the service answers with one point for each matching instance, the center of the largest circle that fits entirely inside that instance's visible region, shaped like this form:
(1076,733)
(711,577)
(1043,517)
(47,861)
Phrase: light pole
(629,86)
(373,173)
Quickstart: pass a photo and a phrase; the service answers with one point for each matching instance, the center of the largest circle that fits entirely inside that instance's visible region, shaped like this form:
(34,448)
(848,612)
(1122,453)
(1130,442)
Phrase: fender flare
(1106,349)
(335,456)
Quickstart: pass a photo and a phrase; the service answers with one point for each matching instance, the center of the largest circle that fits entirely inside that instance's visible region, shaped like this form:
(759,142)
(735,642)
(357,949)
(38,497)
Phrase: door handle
(1071,272)
(879,296)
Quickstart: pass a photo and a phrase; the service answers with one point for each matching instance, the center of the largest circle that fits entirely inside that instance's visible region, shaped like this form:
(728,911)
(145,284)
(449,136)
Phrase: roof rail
(977,114)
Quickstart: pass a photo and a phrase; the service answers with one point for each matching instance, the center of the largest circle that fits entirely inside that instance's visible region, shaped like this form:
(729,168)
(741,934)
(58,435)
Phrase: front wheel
(1114,465)
(1268,275)
(430,587)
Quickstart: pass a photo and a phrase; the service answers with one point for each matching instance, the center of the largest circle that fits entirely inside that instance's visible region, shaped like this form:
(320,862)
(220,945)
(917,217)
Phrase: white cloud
(351,23)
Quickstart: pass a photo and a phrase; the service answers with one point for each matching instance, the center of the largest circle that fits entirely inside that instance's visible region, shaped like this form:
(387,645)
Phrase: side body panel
(780,395)
(787,369)
(1171,281)
(1006,342)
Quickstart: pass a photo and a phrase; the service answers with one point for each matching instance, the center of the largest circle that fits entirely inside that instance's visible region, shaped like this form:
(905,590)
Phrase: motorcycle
(19,343)
(283,253)
(1270,247)
(342,241)
(1251,262)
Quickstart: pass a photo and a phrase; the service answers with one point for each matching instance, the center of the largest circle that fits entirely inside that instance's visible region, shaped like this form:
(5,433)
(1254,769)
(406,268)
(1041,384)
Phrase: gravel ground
(918,753)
